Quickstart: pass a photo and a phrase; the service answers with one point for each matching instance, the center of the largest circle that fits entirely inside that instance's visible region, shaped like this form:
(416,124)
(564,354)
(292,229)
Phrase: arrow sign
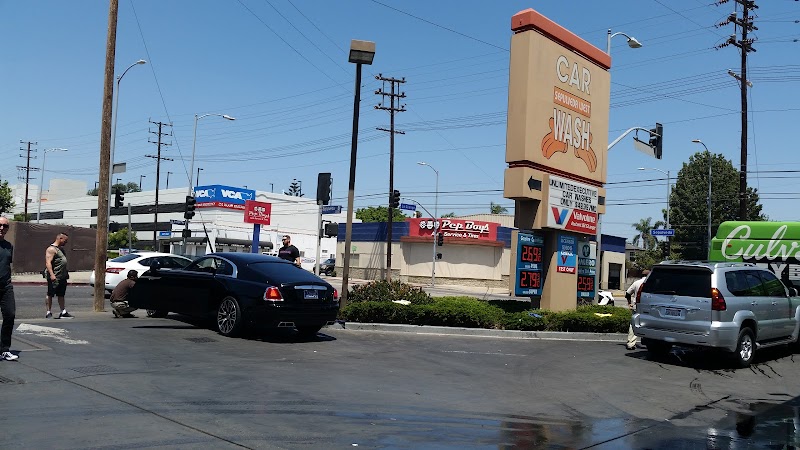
(534,185)
(408,206)
(662,232)
(331,209)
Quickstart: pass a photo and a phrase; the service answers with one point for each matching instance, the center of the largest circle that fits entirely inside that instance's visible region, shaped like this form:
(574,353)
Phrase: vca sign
(218,196)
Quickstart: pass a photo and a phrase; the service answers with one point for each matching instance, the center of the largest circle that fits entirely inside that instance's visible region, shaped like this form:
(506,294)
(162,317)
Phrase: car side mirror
(155,265)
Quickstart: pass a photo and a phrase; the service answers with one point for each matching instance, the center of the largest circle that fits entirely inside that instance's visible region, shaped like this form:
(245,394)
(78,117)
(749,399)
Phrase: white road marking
(58,334)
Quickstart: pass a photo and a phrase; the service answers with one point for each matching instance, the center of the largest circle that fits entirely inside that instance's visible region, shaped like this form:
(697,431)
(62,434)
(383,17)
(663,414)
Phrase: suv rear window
(679,281)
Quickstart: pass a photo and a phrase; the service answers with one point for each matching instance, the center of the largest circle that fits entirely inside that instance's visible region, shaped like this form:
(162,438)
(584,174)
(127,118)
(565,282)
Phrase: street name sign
(331,209)
(408,206)
(662,232)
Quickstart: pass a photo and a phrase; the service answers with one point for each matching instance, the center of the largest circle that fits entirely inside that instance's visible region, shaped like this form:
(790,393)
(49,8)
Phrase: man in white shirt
(630,295)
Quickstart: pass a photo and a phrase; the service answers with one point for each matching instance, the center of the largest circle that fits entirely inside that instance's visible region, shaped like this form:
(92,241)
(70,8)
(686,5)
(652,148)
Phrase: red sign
(226,205)
(257,212)
(454,229)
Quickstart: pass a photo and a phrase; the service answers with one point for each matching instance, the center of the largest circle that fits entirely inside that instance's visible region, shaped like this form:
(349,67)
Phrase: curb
(482,332)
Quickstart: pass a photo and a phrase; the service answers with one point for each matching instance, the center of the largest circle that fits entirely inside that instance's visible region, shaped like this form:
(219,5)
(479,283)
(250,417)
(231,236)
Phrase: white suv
(736,307)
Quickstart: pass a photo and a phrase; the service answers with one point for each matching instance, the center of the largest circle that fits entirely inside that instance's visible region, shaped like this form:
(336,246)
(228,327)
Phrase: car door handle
(774,303)
(754,303)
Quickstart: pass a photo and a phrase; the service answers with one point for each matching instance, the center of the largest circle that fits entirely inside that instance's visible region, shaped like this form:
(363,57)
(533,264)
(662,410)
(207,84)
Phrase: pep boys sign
(454,228)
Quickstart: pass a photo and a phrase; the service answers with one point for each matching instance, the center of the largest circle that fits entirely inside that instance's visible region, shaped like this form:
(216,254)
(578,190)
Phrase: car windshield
(126,258)
(679,281)
(329,261)
(288,273)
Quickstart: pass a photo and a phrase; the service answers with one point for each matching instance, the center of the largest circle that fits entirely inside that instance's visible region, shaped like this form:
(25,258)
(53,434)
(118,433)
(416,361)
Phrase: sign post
(257,213)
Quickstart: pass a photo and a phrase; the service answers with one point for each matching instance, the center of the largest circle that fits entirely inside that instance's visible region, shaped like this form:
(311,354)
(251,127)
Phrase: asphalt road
(98,382)
(31,304)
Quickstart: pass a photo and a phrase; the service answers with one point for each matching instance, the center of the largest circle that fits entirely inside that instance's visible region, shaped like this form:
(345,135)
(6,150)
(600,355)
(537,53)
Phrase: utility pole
(27,169)
(101,241)
(394,99)
(158,159)
(745,44)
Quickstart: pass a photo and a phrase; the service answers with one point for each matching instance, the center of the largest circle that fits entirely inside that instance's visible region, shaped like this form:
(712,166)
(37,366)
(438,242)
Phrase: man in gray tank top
(56,263)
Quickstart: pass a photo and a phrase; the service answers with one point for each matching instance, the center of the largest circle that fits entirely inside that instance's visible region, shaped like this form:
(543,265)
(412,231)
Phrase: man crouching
(119,296)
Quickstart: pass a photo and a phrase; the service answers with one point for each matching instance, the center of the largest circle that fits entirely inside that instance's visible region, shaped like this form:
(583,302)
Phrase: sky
(280,68)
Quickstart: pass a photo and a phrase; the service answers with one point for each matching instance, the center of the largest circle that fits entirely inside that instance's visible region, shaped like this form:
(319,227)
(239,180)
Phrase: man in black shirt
(289,252)
(7,304)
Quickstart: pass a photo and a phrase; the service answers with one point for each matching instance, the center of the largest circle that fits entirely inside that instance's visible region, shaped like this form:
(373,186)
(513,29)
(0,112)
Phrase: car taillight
(335,295)
(272,294)
(639,293)
(114,270)
(717,300)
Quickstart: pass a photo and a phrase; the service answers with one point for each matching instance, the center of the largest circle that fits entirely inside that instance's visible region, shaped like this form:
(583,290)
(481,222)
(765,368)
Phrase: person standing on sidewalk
(630,295)
(7,303)
(289,252)
(56,263)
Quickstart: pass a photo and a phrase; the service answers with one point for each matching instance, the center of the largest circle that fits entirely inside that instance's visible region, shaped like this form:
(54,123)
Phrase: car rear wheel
(745,348)
(158,313)
(229,317)
(657,348)
(308,330)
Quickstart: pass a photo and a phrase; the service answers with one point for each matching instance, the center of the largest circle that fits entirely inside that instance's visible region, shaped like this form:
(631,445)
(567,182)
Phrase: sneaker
(65,315)
(49,315)
(116,314)
(8,356)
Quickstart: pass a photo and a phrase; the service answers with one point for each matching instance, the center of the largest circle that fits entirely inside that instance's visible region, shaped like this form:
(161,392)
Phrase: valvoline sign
(219,196)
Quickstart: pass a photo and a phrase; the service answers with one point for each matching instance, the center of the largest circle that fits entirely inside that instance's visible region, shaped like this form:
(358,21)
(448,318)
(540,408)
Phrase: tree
(119,239)
(296,188)
(130,187)
(21,217)
(494,208)
(378,214)
(643,235)
(6,200)
(689,213)
(450,214)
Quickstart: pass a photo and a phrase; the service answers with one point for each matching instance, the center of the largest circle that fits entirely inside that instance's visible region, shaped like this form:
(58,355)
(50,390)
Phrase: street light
(361,52)
(41,182)
(114,127)
(668,179)
(708,199)
(197,180)
(194,142)
(435,222)
(632,42)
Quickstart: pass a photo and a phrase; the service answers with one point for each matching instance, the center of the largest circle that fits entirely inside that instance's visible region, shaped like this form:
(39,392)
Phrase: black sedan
(239,289)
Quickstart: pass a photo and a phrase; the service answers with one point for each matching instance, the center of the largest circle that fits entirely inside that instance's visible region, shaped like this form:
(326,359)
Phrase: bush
(468,312)
(383,291)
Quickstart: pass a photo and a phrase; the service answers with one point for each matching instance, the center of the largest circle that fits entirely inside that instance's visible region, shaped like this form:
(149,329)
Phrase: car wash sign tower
(556,143)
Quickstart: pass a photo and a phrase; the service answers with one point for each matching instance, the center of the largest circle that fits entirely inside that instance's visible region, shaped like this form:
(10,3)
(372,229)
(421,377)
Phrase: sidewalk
(80,278)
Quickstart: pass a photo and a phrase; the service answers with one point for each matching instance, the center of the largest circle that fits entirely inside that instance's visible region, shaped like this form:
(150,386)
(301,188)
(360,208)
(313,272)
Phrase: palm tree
(643,228)
(494,208)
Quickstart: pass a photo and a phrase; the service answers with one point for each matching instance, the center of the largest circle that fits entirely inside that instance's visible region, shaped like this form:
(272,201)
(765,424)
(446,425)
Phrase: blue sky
(280,67)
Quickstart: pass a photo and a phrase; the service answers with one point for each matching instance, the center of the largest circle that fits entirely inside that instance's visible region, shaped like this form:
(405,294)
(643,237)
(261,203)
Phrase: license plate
(673,312)
(310,294)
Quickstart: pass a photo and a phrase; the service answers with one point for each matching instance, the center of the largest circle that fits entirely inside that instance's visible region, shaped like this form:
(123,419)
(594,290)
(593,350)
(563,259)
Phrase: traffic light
(119,198)
(394,199)
(331,229)
(440,239)
(186,233)
(657,139)
(113,227)
(324,184)
(189,207)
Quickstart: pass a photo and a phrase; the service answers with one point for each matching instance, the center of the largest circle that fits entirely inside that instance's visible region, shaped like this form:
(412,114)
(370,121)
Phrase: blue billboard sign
(216,195)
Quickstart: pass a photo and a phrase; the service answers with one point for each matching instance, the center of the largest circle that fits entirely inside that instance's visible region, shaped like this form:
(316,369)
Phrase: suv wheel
(745,347)
(657,348)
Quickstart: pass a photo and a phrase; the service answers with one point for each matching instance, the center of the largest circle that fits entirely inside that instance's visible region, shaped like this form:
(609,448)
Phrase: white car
(606,298)
(117,269)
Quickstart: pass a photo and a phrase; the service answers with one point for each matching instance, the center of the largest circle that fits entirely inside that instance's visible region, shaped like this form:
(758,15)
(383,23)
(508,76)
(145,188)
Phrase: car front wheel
(745,348)
(229,317)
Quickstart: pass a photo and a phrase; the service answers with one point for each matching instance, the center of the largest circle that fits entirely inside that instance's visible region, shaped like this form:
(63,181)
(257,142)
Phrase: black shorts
(56,288)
